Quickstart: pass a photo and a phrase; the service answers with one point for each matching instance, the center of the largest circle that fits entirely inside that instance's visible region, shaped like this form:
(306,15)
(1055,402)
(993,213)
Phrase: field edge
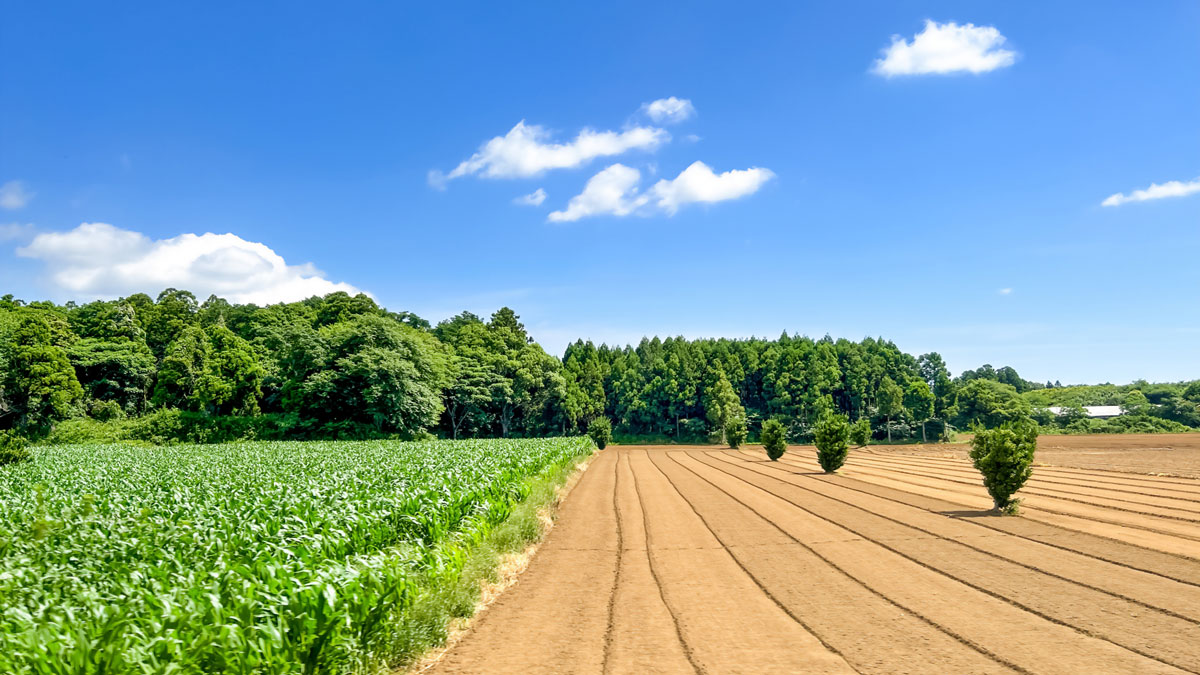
(492,567)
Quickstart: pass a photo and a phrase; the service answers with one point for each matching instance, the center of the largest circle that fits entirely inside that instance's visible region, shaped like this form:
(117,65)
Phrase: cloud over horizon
(944,48)
(1172,188)
(98,260)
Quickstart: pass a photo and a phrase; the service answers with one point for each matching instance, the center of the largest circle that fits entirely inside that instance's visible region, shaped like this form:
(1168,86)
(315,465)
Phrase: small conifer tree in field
(1005,458)
(735,431)
(860,432)
(774,439)
(600,431)
(832,437)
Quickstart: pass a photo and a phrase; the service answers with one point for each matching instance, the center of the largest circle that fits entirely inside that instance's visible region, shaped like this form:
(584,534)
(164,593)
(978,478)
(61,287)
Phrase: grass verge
(442,612)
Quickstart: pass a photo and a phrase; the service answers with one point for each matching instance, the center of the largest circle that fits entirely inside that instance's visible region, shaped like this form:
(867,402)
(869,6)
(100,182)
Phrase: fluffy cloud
(13,195)
(534,198)
(669,110)
(698,183)
(100,260)
(526,151)
(614,191)
(1172,188)
(946,48)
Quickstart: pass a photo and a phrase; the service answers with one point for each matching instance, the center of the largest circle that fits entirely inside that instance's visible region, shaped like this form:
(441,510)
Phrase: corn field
(242,558)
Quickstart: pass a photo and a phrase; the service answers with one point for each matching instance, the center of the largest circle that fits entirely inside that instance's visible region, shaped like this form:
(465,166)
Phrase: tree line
(341,366)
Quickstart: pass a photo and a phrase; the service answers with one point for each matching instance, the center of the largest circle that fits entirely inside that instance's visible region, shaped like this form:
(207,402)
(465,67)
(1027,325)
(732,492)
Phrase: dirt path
(701,560)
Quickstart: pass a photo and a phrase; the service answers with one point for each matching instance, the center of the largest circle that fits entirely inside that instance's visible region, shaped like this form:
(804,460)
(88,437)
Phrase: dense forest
(340,366)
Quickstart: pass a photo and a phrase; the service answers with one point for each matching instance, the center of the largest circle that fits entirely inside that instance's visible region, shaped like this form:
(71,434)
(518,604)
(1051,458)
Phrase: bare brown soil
(709,560)
(1164,454)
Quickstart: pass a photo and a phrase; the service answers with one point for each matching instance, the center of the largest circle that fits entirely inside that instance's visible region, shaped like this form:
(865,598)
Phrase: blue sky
(944,192)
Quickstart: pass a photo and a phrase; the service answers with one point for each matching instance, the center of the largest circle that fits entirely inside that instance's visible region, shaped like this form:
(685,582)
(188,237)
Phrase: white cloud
(13,231)
(100,260)
(614,191)
(669,110)
(525,151)
(698,183)
(1004,291)
(946,48)
(13,195)
(1172,188)
(534,198)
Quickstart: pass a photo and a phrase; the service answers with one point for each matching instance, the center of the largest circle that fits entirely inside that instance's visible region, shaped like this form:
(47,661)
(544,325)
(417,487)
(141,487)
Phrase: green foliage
(990,404)
(600,431)
(860,432)
(105,411)
(255,557)
(1135,403)
(774,439)
(343,367)
(832,438)
(38,385)
(919,400)
(1005,458)
(117,369)
(375,373)
(735,431)
(722,404)
(13,449)
(890,400)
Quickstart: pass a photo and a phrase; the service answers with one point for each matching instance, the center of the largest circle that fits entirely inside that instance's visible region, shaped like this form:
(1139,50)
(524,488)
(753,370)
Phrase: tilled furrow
(1028,641)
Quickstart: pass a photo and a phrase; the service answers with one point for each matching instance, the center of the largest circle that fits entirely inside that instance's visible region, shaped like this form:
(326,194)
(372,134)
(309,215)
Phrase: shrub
(601,432)
(1005,458)
(860,432)
(735,431)
(774,439)
(832,437)
(13,448)
(105,411)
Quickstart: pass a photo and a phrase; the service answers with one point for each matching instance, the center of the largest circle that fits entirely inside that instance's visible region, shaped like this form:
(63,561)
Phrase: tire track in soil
(1184,506)
(1150,561)
(1165,533)
(1171,598)
(1042,642)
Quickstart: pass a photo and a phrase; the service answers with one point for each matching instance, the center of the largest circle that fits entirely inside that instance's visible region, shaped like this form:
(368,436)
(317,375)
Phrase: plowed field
(699,559)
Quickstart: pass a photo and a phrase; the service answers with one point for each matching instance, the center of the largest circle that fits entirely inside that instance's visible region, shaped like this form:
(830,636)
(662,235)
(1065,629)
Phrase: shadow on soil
(991,513)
